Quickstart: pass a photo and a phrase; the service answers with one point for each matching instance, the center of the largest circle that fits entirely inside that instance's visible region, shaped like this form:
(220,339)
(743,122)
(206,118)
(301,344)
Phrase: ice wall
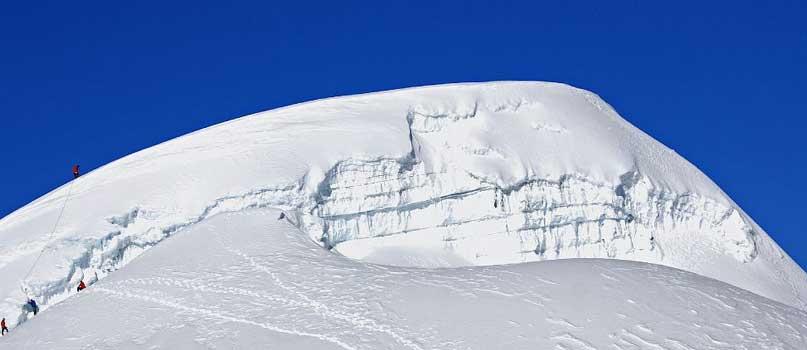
(535,219)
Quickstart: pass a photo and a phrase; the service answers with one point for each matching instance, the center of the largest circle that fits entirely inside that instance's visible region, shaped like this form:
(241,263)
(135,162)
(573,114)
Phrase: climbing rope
(50,236)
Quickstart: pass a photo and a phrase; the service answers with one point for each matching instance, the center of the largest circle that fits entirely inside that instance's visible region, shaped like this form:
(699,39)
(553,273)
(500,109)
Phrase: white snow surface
(246,280)
(455,175)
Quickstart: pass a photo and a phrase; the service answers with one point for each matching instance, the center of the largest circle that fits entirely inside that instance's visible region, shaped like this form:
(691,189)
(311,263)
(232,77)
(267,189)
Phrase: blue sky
(722,83)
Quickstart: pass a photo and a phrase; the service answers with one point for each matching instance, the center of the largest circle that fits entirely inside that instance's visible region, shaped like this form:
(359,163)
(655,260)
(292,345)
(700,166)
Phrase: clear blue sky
(725,85)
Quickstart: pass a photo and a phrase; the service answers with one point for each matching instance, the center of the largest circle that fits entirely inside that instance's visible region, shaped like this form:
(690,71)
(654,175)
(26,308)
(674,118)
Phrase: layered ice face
(441,176)
(369,206)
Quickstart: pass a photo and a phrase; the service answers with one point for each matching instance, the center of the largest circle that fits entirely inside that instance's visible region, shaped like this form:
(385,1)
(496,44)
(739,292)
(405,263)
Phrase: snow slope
(249,281)
(441,176)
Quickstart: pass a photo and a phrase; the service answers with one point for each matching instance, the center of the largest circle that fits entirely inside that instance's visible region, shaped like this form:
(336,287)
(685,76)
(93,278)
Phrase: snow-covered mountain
(459,175)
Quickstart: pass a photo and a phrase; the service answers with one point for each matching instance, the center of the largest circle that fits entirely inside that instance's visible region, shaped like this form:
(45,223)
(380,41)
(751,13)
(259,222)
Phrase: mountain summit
(459,175)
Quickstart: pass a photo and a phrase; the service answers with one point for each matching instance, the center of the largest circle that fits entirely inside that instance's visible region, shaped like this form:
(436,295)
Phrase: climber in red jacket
(76,173)
(81,286)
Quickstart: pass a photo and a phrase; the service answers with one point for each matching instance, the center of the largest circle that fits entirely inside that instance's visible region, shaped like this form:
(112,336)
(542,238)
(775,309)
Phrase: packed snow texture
(441,176)
(247,280)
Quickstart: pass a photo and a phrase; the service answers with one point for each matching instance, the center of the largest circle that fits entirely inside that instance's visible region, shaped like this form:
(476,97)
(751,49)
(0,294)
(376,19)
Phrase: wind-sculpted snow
(247,280)
(443,176)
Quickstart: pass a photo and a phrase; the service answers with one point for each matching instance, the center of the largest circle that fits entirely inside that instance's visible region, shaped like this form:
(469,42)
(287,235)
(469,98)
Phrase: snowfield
(470,181)
(249,281)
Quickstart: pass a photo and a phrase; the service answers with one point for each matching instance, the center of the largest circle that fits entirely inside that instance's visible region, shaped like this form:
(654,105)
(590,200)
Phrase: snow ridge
(250,274)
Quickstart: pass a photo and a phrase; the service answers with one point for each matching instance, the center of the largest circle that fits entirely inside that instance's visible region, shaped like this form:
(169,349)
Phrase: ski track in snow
(352,318)
(218,315)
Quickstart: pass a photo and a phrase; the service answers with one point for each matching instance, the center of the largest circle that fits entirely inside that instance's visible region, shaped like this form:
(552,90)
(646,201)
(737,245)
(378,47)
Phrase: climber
(81,286)
(76,173)
(34,307)
(3,325)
